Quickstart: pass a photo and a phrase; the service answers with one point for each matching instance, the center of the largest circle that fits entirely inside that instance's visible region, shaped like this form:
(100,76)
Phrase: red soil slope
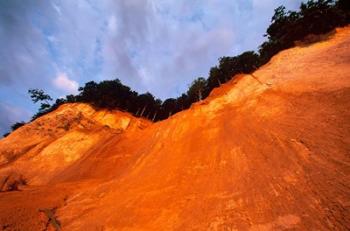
(267,151)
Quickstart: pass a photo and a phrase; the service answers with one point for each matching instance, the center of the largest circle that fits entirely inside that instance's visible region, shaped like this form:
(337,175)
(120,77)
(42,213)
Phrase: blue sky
(158,46)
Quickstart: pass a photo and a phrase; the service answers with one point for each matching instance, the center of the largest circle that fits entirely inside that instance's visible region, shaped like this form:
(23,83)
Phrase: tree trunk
(154,116)
(143,110)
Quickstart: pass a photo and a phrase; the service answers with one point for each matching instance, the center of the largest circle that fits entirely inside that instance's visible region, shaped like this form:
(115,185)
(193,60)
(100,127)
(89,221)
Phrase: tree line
(313,17)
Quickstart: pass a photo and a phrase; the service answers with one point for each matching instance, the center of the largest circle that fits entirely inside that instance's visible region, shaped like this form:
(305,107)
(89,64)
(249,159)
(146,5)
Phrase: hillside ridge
(265,151)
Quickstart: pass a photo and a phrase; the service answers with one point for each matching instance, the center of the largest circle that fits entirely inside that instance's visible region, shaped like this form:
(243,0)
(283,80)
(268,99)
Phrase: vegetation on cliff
(313,18)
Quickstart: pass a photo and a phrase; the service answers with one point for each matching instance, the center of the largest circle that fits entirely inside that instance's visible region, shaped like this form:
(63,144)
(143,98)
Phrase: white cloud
(65,84)
(112,24)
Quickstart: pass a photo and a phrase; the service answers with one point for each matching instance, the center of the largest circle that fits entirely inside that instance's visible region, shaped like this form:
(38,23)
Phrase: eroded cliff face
(49,145)
(267,151)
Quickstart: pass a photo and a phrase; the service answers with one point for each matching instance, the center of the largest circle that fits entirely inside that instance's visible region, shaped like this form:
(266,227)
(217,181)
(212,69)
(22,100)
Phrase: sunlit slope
(40,150)
(267,151)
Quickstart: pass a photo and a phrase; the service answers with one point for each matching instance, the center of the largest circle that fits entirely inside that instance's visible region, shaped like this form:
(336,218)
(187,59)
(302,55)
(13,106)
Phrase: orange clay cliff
(266,151)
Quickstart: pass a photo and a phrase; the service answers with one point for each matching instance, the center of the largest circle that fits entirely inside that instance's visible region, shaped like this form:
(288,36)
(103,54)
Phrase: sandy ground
(267,151)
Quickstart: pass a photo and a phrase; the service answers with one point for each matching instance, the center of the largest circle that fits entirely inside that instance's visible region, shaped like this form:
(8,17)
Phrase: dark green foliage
(107,94)
(168,108)
(144,103)
(214,79)
(244,63)
(195,92)
(71,98)
(344,5)
(183,102)
(14,127)
(229,67)
(113,94)
(17,125)
(38,95)
(314,17)
(287,27)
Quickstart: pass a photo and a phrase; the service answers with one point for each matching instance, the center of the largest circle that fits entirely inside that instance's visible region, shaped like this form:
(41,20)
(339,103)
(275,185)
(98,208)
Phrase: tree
(156,110)
(38,95)
(88,93)
(314,17)
(14,127)
(145,104)
(71,98)
(183,102)
(195,92)
(169,107)
(279,15)
(287,27)
(243,63)
(17,125)
(344,5)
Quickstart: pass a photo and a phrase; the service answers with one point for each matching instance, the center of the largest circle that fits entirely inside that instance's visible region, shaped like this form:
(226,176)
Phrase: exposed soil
(267,151)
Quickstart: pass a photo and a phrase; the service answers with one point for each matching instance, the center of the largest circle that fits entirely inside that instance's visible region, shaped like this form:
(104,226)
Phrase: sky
(159,46)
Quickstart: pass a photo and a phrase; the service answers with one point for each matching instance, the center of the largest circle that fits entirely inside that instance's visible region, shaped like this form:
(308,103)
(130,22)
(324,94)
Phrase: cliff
(266,151)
